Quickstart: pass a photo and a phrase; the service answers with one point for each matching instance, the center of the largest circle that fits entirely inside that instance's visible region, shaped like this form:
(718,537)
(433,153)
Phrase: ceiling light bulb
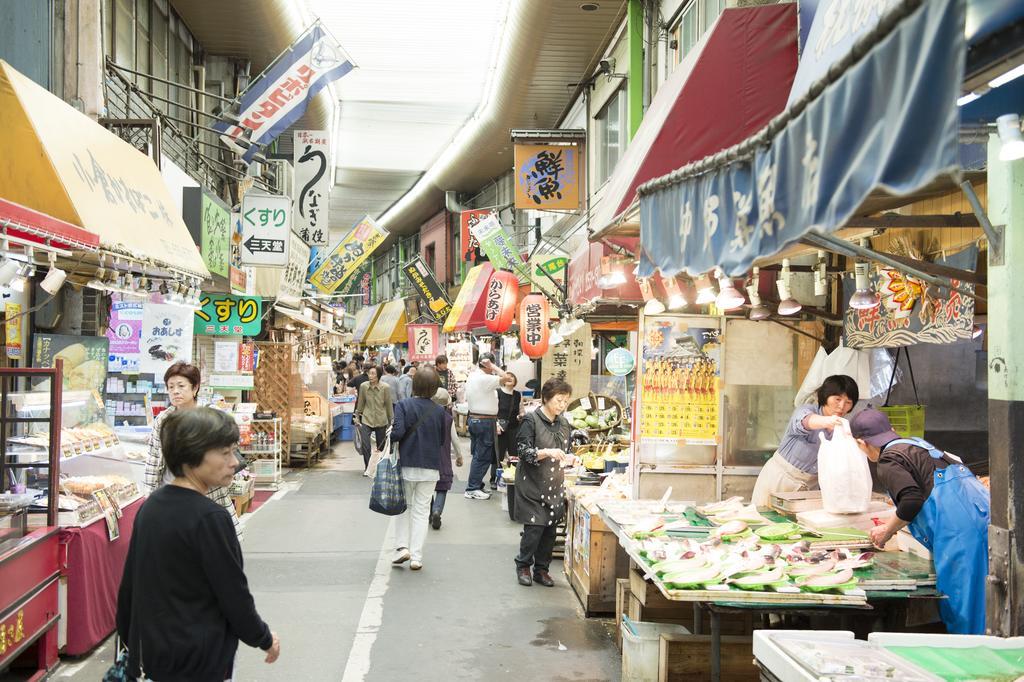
(729,297)
(821,275)
(787,304)
(758,310)
(555,338)
(676,300)
(53,281)
(706,291)
(864,298)
(654,307)
(19,283)
(1009,132)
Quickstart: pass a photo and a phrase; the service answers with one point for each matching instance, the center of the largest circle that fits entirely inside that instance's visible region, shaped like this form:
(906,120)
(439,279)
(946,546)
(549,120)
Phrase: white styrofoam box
(888,639)
(820,519)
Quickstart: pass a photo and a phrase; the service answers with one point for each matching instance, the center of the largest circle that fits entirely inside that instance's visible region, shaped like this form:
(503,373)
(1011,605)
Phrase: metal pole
(995,235)
(111,63)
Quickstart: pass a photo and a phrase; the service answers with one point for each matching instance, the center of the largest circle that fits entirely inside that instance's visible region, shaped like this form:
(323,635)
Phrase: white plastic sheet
(843,473)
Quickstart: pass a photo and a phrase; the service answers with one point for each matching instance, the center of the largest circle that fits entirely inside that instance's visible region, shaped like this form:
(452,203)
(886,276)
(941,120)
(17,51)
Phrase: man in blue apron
(946,508)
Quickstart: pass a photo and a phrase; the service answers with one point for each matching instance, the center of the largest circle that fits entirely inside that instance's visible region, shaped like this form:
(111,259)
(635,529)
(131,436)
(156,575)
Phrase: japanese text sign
(428,289)
(348,254)
(424,342)
(311,158)
(547,177)
(570,360)
(225,315)
(266,229)
(294,275)
(541,267)
(498,245)
(468,220)
(167,332)
(12,326)
(215,239)
(124,331)
(279,98)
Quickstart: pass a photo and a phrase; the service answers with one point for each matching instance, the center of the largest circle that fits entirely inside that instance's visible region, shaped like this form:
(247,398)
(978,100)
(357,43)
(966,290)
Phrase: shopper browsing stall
(184,603)
(946,509)
(182,380)
(482,398)
(794,466)
(419,432)
(510,402)
(374,413)
(543,447)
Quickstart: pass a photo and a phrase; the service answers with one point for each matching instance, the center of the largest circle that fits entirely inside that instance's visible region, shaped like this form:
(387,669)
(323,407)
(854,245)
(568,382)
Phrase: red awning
(31,225)
(734,81)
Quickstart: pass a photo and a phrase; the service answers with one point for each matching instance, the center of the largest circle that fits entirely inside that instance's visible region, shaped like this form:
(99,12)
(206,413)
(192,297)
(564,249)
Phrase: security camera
(606,65)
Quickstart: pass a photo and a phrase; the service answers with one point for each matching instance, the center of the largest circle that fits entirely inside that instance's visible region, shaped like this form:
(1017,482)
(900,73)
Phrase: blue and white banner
(889,122)
(279,98)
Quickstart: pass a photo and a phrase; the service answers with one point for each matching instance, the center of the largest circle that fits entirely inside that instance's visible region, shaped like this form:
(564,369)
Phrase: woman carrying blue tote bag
(387,496)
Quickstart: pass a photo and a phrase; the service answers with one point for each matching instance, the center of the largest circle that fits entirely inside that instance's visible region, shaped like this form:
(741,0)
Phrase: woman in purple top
(794,466)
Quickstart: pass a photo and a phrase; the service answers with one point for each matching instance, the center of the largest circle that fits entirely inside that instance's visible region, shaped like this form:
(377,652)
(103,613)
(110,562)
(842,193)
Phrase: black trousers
(380,434)
(536,547)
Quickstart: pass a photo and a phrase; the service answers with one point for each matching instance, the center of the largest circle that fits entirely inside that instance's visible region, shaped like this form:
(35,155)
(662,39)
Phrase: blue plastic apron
(953,525)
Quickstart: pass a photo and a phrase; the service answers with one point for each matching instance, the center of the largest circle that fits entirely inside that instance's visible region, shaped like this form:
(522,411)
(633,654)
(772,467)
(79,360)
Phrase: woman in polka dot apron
(543,448)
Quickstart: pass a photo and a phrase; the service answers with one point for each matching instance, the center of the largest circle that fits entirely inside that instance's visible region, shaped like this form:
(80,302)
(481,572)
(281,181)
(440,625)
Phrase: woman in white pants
(419,431)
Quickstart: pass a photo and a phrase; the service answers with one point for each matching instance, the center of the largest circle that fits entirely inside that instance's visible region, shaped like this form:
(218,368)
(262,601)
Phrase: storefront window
(710,11)
(124,32)
(143,56)
(159,42)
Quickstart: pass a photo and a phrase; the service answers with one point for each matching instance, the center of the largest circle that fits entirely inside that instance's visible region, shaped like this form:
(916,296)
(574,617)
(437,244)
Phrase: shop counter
(93,565)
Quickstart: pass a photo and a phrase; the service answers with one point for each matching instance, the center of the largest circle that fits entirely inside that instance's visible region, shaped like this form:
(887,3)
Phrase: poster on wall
(85,359)
(124,333)
(166,337)
(12,327)
(680,383)
(460,359)
(570,360)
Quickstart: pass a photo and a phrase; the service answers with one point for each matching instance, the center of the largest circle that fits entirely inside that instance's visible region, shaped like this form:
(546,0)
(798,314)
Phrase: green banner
(226,315)
(499,246)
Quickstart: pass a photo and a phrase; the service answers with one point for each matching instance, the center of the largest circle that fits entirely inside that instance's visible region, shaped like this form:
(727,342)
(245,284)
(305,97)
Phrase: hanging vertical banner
(570,360)
(547,177)
(124,332)
(294,275)
(312,185)
(424,342)
(276,100)
(237,274)
(428,289)
(12,315)
(469,219)
(364,287)
(346,257)
(498,245)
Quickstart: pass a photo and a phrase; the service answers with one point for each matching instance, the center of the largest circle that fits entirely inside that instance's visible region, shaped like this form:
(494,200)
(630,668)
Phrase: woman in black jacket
(419,432)
(184,602)
(543,447)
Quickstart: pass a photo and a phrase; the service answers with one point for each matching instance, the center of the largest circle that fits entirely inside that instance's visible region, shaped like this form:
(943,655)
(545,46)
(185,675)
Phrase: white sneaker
(400,558)
(477,495)
(415,565)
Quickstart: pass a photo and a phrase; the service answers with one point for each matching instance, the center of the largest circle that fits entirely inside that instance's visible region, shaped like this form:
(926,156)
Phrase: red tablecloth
(93,566)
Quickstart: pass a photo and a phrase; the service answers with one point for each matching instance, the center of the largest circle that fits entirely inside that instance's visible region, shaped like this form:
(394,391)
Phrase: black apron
(539,496)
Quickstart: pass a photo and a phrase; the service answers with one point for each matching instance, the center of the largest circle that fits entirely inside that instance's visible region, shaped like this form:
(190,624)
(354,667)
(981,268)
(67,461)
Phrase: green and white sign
(216,235)
(226,315)
(619,362)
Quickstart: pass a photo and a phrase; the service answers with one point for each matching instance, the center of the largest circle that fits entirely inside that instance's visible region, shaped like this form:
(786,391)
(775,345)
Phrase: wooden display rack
(278,386)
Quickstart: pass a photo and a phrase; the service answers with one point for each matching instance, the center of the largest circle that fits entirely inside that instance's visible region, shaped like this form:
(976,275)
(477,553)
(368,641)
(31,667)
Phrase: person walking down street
(184,602)
(182,381)
(390,377)
(405,382)
(374,412)
(482,398)
(445,374)
(360,379)
(510,403)
(451,441)
(419,432)
(543,446)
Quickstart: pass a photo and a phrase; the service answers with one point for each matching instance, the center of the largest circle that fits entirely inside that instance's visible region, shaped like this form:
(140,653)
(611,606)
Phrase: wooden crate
(647,603)
(683,658)
(621,608)
(597,561)
(278,386)
(243,502)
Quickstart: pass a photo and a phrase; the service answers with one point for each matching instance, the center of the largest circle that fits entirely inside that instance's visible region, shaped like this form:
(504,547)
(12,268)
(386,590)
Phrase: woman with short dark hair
(182,381)
(543,447)
(419,432)
(794,466)
(184,602)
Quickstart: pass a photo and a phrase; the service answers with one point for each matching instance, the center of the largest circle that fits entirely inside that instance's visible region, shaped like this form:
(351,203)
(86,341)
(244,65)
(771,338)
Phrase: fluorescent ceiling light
(967,99)
(1005,78)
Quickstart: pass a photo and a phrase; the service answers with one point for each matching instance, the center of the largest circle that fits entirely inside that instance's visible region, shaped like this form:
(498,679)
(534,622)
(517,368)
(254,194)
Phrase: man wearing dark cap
(946,509)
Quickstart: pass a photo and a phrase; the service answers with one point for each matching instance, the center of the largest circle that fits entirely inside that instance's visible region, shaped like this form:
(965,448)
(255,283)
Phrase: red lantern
(502,293)
(533,325)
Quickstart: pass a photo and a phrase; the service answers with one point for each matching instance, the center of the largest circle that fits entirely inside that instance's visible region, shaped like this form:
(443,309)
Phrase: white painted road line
(358,665)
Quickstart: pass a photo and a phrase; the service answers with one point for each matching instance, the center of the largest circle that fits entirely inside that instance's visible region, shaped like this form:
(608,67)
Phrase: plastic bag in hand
(843,473)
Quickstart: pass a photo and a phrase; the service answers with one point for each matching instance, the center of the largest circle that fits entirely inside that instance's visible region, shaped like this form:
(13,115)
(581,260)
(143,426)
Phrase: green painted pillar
(1005,593)
(635,86)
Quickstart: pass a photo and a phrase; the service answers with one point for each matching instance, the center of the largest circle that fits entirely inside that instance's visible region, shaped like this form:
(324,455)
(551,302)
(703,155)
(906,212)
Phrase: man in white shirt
(482,398)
